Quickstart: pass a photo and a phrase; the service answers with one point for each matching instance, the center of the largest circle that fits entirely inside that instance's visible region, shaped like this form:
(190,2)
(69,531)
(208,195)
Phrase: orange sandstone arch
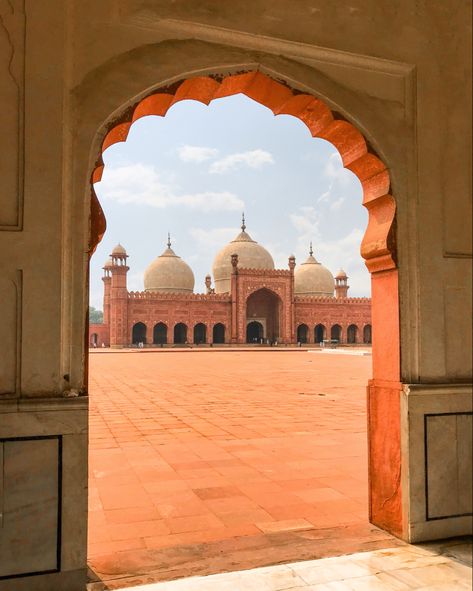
(378,248)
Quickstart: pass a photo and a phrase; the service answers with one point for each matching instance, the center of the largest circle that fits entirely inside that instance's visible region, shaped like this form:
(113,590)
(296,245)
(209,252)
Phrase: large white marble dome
(169,273)
(251,255)
(313,279)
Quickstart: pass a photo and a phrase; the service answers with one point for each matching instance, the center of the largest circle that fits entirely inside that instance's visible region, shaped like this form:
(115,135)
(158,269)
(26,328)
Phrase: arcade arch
(138,333)
(336,333)
(218,334)
(180,333)
(302,333)
(320,333)
(200,333)
(352,334)
(160,334)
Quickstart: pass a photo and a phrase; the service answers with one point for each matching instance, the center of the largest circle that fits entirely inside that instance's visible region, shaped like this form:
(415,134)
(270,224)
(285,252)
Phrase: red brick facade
(263,298)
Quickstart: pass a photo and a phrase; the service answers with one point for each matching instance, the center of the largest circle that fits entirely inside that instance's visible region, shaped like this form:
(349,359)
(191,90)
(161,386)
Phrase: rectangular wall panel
(30,538)
(448,449)
(8,336)
(12,57)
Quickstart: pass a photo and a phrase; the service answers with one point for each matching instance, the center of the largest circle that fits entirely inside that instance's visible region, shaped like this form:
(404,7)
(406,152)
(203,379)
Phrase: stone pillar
(291,320)
(234,292)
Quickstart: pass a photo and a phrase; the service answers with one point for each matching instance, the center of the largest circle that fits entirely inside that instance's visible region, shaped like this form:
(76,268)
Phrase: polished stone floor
(444,566)
(209,461)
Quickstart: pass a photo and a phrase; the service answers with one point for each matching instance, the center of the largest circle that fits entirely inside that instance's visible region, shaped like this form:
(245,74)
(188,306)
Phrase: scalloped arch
(378,245)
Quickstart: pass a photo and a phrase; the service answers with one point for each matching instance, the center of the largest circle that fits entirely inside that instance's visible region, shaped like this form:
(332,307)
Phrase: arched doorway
(160,334)
(254,332)
(378,246)
(94,339)
(319,333)
(218,334)
(352,333)
(180,334)
(367,334)
(200,333)
(302,333)
(138,333)
(263,306)
(336,333)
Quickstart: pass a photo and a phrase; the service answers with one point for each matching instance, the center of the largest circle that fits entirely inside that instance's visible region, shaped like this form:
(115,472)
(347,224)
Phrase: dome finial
(243,226)
(169,240)
(311,252)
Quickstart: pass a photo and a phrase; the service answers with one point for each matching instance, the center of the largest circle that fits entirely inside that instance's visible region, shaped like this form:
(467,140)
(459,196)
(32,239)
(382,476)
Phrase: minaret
(341,284)
(119,299)
(208,284)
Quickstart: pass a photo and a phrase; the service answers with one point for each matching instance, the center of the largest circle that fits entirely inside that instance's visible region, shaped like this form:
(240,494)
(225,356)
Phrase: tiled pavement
(211,461)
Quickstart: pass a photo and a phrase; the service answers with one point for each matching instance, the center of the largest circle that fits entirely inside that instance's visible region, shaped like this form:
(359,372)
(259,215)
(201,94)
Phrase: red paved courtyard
(205,461)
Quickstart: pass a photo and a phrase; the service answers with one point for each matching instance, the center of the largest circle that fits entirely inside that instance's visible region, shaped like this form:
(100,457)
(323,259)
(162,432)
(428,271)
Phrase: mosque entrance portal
(254,332)
(263,305)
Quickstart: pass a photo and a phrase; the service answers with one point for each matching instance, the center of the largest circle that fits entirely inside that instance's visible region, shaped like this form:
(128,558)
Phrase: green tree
(95,316)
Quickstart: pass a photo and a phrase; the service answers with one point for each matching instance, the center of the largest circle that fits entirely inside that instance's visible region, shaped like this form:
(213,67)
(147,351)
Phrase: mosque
(250,302)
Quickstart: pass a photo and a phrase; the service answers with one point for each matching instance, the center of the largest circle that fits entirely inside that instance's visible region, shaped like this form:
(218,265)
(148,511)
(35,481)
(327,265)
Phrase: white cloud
(345,252)
(340,252)
(196,153)
(306,222)
(335,170)
(252,159)
(324,198)
(214,239)
(141,184)
(335,205)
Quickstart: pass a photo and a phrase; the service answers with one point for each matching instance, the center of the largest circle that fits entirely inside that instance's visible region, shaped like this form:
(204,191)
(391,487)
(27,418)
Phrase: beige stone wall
(400,72)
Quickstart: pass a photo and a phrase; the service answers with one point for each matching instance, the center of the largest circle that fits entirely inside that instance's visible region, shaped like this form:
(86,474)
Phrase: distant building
(251,302)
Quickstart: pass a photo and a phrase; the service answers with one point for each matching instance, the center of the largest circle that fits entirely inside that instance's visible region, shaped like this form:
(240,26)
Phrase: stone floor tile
(283,526)
(325,571)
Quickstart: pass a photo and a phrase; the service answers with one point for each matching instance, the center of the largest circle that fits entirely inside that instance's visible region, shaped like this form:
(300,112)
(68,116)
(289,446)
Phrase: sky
(193,172)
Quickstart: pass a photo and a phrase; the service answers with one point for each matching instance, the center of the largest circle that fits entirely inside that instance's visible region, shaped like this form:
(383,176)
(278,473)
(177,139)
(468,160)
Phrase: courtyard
(206,461)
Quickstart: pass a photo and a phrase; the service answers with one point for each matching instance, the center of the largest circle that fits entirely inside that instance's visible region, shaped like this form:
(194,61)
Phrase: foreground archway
(377,248)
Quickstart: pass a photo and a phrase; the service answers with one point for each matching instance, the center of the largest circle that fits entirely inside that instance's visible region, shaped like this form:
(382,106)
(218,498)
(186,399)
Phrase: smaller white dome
(313,279)
(341,274)
(118,250)
(169,273)
(108,263)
